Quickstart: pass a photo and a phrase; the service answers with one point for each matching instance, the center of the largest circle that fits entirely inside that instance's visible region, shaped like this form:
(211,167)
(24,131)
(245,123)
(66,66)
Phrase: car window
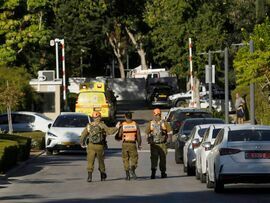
(202,131)
(192,133)
(249,135)
(3,120)
(219,137)
(215,132)
(170,116)
(91,97)
(206,134)
(20,118)
(180,116)
(73,121)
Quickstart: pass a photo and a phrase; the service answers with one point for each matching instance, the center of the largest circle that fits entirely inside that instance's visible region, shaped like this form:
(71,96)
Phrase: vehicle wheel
(218,185)
(177,153)
(209,184)
(190,171)
(49,152)
(197,174)
(202,178)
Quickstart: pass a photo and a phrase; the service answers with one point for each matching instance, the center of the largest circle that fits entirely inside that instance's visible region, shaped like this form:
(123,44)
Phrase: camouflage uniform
(158,148)
(129,148)
(97,150)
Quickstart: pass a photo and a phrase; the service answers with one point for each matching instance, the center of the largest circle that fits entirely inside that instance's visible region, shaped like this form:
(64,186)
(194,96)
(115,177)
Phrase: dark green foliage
(8,154)
(24,145)
(37,139)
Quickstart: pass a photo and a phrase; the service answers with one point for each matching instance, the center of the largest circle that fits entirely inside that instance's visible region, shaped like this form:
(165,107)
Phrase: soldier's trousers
(95,151)
(129,155)
(158,151)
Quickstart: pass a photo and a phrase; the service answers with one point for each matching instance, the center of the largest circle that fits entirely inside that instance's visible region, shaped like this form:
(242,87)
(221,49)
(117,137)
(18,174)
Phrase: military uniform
(157,134)
(129,133)
(96,149)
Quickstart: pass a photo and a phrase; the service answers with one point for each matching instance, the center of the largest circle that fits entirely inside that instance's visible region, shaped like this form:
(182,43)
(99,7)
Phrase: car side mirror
(49,125)
(183,137)
(207,145)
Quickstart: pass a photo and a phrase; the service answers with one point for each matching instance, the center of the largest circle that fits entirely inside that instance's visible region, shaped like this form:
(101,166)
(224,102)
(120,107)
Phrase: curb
(20,165)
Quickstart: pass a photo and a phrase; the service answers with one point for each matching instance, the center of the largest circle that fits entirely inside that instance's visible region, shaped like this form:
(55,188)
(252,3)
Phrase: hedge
(38,139)
(24,145)
(8,154)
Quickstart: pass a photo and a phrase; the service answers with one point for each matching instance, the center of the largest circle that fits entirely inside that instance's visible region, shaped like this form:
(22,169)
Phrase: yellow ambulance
(93,96)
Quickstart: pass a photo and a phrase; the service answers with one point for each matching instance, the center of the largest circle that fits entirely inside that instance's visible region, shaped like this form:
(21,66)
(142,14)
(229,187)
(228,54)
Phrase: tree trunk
(116,45)
(139,49)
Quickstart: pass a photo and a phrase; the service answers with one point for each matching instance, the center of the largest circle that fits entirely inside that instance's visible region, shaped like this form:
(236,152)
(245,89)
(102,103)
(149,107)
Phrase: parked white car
(204,149)
(191,146)
(217,104)
(241,154)
(25,121)
(64,133)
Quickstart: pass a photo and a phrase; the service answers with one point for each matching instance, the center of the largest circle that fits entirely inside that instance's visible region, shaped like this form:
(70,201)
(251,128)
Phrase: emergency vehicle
(95,96)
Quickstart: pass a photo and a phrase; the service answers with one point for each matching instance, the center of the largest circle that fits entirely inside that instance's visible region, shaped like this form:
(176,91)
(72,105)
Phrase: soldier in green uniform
(129,133)
(96,133)
(158,133)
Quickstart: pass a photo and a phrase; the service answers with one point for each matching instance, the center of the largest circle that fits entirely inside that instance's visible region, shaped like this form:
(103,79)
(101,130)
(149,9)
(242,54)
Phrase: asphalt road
(62,178)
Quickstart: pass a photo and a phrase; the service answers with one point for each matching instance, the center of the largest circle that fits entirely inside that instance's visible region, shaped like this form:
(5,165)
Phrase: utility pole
(210,80)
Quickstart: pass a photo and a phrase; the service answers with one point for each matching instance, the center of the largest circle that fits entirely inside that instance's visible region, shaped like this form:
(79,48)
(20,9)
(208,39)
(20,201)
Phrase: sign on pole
(207,74)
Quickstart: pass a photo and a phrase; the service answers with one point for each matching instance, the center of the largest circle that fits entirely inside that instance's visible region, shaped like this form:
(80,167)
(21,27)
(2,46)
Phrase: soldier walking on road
(158,133)
(96,132)
(129,133)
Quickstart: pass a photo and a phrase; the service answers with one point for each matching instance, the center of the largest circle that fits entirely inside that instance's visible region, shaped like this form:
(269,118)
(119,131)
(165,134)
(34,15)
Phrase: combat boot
(132,172)
(89,178)
(103,176)
(163,175)
(127,175)
(153,175)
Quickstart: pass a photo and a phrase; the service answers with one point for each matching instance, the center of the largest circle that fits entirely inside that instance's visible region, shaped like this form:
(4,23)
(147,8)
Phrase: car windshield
(201,132)
(180,116)
(215,132)
(71,121)
(91,97)
(249,135)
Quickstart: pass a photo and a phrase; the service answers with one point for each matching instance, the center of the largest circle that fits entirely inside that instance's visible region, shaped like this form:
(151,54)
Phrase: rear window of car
(188,125)
(91,97)
(71,121)
(180,116)
(248,135)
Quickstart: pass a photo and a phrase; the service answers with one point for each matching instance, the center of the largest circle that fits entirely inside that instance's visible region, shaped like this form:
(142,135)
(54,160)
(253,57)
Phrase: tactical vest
(129,131)
(96,134)
(158,131)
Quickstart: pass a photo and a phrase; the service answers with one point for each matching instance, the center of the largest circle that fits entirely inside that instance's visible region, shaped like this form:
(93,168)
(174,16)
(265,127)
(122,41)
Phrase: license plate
(162,95)
(97,109)
(257,155)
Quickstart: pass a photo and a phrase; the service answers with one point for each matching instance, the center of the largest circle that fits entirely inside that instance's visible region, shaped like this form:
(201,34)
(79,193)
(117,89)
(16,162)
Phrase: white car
(217,104)
(241,154)
(25,121)
(64,133)
(191,146)
(204,149)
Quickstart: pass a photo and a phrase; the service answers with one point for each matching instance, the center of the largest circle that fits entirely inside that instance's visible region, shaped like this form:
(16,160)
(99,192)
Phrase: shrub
(24,145)
(38,139)
(8,154)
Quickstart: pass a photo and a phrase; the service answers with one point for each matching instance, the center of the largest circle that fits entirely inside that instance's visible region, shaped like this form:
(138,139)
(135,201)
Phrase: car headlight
(51,134)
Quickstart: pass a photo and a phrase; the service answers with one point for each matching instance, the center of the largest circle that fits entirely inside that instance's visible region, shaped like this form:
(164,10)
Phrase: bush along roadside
(38,139)
(24,145)
(8,154)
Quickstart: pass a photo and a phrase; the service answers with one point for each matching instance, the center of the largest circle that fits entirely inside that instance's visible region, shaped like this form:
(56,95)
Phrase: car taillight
(195,145)
(228,151)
